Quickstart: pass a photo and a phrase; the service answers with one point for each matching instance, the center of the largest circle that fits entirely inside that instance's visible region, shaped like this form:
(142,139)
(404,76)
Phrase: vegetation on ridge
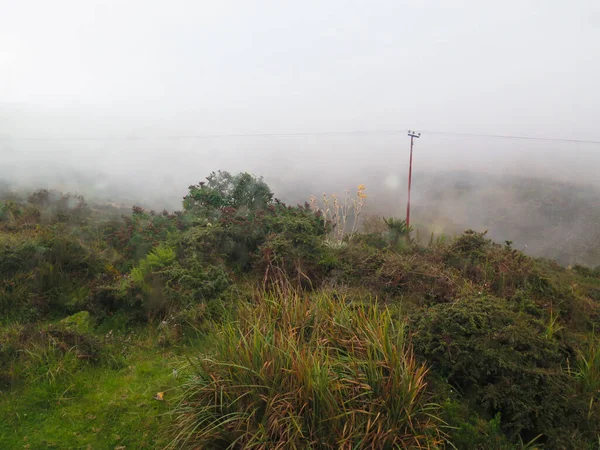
(242,322)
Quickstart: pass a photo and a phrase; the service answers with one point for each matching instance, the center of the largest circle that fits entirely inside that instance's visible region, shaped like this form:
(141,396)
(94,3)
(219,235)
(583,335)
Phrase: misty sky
(155,68)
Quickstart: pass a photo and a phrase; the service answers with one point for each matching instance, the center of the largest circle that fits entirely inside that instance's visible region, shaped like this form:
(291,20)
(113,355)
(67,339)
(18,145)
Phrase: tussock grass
(298,371)
(50,353)
(588,367)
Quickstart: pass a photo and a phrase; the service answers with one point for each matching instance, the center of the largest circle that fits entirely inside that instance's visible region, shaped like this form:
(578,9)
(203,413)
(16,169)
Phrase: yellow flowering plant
(338,211)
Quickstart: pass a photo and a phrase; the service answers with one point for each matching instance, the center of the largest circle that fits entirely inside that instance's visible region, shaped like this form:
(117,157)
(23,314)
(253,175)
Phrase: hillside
(547,218)
(243,322)
(544,217)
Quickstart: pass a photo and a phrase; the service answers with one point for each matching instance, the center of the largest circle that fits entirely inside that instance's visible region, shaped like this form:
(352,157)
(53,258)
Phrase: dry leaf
(159,396)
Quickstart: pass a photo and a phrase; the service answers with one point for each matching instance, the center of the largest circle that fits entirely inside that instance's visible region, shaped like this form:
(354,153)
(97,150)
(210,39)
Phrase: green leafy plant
(159,258)
(397,230)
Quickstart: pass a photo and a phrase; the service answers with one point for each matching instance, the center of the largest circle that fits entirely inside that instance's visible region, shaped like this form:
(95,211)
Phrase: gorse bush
(46,270)
(503,362)
(389,271)
(162,283)
(294,249)
(500,269)
(298,371)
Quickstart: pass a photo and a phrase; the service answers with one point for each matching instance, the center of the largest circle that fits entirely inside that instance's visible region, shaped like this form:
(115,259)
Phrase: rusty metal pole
(412,135)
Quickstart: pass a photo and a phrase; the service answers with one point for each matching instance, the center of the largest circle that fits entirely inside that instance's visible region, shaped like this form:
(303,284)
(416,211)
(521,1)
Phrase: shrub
(242,191)
(159,258)
(397,230)
(502,362)
(308,372)
(135,235)
(47,269)
(468,431)
(195,282)
(422,277)
(499,269)
(294,249)
(160,283)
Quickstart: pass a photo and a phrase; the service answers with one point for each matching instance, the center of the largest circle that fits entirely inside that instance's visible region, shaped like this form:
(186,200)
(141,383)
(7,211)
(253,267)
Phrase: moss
(80,322)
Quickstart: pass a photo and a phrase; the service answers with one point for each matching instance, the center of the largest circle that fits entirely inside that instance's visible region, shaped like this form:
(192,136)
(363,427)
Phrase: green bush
(419,276)
(294,250)
(242,192)
(195,282)
(135,235)
(503,363)
(46,271)
(468,431)
(160,283)
(498,269)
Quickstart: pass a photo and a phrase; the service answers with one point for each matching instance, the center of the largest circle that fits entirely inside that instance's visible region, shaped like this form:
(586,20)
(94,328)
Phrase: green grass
(96,407)
(298,371)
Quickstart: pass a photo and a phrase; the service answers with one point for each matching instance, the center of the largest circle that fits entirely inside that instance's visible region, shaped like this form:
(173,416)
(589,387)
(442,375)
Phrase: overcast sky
(154,68)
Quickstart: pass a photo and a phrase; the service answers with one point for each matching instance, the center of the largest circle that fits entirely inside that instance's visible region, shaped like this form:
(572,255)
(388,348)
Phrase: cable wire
(296,134)
(506,136)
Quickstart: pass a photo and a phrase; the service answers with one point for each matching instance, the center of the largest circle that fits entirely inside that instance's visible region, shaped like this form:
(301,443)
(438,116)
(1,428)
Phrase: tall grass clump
(587,368)
(297,371)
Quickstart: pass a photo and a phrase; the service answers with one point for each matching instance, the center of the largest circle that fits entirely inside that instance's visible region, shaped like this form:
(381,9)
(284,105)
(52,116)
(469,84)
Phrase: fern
(159,258)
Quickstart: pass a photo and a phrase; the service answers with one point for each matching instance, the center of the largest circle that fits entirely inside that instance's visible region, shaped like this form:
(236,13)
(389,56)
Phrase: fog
(134,101)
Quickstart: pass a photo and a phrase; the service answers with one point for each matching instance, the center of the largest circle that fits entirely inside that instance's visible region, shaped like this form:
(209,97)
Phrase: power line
(207,136)
(506,136)
(293,134)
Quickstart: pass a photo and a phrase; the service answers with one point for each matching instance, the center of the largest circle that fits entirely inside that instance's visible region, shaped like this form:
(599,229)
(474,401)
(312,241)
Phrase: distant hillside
(544,217)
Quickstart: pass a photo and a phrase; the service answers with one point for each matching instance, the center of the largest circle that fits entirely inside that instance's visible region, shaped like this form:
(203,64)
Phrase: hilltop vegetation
(243,322)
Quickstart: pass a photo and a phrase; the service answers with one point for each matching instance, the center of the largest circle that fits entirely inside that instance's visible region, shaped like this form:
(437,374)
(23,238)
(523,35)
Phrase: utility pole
(413,135)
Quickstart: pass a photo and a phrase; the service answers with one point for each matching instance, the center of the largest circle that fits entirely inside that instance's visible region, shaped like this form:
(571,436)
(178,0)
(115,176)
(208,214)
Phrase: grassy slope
(97,407)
